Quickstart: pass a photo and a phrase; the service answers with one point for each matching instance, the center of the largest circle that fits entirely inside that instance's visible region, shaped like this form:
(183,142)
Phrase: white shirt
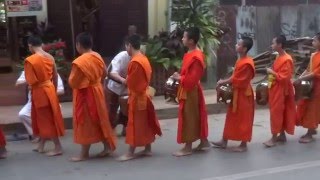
(60,88)
(120,66)
(26,110)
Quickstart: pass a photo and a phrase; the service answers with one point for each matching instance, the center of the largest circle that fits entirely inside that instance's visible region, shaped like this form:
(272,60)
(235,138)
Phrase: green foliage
(165,49)
(199,13)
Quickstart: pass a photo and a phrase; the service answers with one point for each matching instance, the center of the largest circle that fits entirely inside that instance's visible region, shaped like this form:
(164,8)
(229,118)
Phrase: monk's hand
(270,71)
(124,82)
(176,76)
(297,81)
(220,82)
(29,87)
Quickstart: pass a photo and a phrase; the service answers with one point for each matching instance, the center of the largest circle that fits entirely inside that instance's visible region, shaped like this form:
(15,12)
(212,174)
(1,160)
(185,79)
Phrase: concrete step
(9,94)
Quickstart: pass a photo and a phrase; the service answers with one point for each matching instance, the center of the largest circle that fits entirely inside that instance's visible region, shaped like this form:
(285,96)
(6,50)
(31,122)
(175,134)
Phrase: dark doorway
(115,17)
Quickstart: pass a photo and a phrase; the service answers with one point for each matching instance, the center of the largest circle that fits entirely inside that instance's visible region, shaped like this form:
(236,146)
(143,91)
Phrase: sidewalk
(10,120)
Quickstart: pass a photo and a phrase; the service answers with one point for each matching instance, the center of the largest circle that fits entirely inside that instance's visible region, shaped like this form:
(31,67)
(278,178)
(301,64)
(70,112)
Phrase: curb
(162,114)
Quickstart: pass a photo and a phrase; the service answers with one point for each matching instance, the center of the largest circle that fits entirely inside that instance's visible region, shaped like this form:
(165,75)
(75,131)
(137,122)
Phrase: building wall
(60,17)
(41,15)
(267,2)
(262,23)
(157,16)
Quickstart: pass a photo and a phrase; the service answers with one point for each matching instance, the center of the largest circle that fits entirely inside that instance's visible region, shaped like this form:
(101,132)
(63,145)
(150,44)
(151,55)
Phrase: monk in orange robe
(193,117)
(143,124)
(90,115)
(308,109)
(281,94)
(3,151)
(41,75)
(240,115)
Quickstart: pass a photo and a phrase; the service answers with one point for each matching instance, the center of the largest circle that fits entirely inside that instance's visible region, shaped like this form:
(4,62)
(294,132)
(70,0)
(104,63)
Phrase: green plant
(199,13)
(165,49)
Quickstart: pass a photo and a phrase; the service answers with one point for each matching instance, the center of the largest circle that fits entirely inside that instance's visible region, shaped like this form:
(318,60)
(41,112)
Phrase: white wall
(157,16)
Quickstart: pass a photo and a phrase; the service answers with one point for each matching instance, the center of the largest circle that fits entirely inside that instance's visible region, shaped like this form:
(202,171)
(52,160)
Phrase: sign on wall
(24,5)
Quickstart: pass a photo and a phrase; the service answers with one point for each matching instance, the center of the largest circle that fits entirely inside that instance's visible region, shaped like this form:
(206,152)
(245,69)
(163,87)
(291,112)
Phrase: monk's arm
(117,77)
(30,75)
(285,72)
(243,77)
(192,78)
(136,80)
(115,69)
(310,75)
(77,79)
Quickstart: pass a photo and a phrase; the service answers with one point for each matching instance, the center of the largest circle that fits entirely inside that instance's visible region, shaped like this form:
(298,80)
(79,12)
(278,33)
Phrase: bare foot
(3,153)
(79,159)
(313,132)
(54,153)
(183,152)
(306,139)
(123,132)
(310,132)
(35,140)
(103,154)
(203,146)
(144,153)
(221,144)
(239,149)
(270,143)
(127,157)
(282,139)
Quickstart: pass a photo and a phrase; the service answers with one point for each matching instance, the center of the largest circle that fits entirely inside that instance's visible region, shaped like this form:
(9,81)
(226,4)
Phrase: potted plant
(165,51)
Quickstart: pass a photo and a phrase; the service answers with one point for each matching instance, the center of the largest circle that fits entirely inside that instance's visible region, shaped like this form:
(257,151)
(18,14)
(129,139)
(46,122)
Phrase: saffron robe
(240,114)
(143,124)
(281,96)
(47,121)
(308,109)
(90,115)
(193,117)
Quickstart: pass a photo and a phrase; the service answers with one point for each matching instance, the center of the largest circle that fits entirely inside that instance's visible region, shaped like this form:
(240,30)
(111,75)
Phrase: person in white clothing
(25,112)
(116,87)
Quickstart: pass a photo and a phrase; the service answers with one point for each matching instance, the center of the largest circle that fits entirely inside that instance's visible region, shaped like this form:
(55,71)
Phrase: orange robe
(47,121)
(2,139)
(193,117)
(90,115)
(281,96)
(308,110)
(143,124)
(240,114)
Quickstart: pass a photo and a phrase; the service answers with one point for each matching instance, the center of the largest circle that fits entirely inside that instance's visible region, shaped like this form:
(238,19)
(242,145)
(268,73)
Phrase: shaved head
(132,30)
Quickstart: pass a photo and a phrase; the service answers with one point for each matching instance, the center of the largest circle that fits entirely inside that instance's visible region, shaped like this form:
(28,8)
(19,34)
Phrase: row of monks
(90,113)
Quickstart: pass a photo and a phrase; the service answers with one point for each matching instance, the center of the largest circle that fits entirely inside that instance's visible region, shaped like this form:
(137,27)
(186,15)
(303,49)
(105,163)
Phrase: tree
(199,13)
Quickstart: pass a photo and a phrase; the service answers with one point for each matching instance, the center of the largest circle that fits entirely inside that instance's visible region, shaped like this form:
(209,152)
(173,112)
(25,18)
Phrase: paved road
(291,161)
